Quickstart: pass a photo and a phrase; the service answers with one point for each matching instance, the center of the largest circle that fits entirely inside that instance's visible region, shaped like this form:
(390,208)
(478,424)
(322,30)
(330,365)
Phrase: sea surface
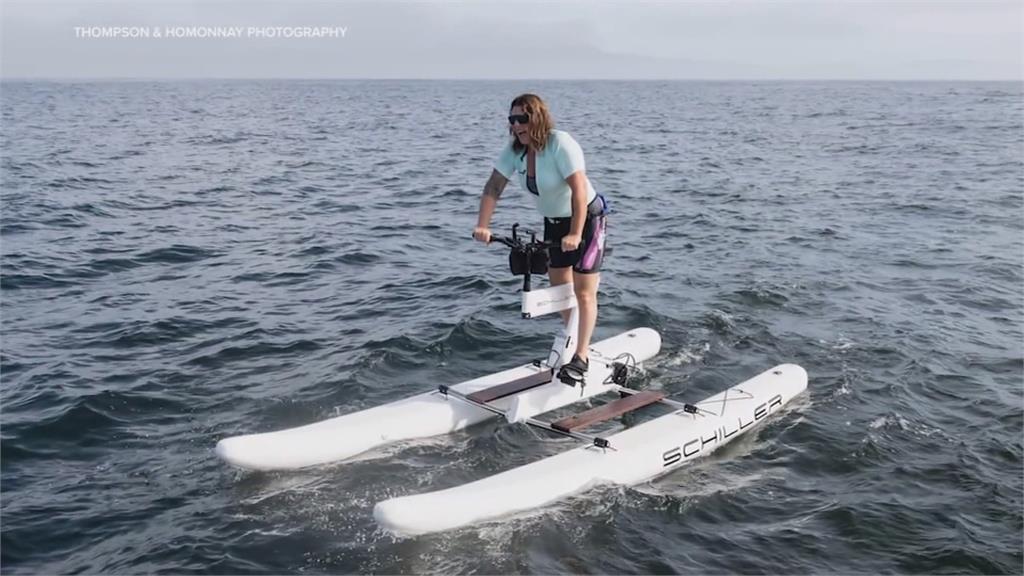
(186,261)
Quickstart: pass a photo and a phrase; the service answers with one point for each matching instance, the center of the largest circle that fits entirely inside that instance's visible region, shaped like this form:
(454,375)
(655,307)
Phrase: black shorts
(587,258)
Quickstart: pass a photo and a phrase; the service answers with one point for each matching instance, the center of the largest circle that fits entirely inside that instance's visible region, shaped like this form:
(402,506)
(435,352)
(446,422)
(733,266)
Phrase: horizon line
(452,79)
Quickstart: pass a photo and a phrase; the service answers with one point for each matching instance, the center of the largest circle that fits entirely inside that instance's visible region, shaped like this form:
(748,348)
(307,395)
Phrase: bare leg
(557,277)
(585,286)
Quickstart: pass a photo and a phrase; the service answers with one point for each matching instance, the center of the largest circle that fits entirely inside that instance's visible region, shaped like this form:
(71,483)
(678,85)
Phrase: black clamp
(620,373)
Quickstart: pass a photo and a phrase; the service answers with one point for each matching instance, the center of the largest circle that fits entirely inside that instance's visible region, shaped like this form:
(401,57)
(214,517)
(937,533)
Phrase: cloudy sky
(818,39)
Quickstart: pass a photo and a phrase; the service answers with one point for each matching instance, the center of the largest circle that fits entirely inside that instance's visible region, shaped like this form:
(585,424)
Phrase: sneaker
(573,372)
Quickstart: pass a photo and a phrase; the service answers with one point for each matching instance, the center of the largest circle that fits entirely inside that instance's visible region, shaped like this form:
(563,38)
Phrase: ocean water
(185,261)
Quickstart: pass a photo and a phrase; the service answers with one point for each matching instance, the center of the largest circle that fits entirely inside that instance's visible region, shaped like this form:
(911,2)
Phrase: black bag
(521,260)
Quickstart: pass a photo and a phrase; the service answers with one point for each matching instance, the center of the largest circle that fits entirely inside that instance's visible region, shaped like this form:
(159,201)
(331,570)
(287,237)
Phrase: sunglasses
(520,118)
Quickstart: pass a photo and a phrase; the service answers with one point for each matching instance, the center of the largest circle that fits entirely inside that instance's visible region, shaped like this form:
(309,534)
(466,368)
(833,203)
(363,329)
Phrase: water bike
(521,394)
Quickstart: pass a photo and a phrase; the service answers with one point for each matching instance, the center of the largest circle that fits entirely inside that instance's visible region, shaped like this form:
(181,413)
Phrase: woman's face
(519,129)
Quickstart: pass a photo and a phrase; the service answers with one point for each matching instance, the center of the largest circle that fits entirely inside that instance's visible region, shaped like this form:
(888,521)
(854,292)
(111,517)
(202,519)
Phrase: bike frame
(548,300)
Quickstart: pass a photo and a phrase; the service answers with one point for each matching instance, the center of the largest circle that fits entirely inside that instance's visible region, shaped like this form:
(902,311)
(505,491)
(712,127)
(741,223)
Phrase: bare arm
(492,191)
(577,182)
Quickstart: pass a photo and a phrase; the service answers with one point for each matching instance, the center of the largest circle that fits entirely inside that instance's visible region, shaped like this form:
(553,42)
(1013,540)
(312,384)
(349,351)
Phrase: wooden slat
(608,411)
(510,388)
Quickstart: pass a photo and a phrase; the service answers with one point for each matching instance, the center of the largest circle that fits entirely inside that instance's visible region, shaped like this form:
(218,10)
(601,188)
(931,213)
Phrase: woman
(549,164)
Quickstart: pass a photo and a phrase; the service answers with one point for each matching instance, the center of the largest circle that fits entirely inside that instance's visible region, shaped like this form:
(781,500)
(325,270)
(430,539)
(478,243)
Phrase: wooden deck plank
(512,387)
(608,411)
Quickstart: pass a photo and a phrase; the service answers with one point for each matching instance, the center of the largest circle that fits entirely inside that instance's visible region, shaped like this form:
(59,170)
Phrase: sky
(526,39)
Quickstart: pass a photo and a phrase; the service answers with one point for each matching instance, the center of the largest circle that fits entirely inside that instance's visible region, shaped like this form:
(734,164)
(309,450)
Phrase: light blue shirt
(561,157)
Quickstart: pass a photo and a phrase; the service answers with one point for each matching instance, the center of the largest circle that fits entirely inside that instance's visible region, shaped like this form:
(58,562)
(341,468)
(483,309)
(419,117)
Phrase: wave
(239,353)
(176,254)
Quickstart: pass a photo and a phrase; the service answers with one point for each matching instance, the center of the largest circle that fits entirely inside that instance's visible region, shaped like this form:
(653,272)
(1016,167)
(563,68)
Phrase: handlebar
(515,242)
(503,240)
(520,244)
(524,263)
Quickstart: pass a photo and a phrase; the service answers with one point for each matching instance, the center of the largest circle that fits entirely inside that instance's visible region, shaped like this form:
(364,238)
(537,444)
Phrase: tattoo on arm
(495,185)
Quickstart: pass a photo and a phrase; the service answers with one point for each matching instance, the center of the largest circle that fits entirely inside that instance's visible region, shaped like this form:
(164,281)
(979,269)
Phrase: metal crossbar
(595,440)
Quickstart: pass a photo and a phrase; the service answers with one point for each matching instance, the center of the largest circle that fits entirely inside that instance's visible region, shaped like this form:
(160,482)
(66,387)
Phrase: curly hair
(539,128)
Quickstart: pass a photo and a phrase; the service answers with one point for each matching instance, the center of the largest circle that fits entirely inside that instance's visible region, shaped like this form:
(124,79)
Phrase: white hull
(424,415)
(640,453)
